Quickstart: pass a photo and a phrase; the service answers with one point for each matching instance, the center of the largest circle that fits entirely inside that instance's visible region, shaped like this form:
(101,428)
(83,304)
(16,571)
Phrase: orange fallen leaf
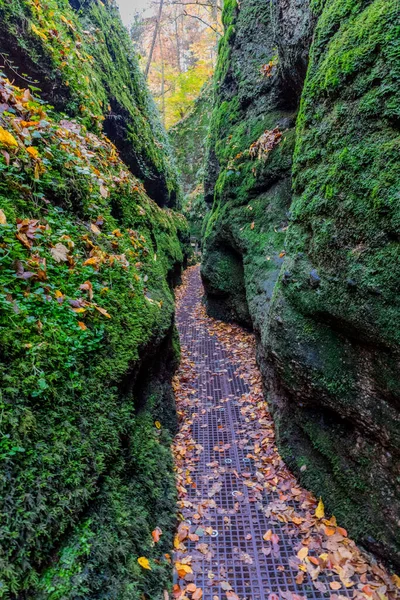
(82,325)
(156,534)
(33,152)
(335,585)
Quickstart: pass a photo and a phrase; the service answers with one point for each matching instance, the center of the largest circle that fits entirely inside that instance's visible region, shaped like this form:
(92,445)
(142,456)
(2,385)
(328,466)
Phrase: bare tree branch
(206,4)
(186,14)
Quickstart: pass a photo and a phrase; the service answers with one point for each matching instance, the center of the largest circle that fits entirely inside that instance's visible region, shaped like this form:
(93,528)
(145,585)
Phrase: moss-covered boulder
(315,272)
(80,56)
(87,348)
(333,342)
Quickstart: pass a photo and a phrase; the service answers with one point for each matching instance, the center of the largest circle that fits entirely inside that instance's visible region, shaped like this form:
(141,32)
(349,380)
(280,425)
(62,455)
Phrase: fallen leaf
(144,562)
(300,578)
(33,152)
(3,219)
(59,252)
(102,311)
(156,534)
(103,191)
(232,596)
(6,139)
(320,510)
(335,585)
(197,594)
(396,580)
(157,424)
(94,229)
(82,325)
(302,553)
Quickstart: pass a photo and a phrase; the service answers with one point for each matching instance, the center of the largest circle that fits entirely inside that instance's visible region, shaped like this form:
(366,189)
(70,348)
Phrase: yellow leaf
(320,510)
(95,229)
(267,535)
(79,310)
(33,152)
(396,580)
(302,553)
(144,562)
(3,218)
(38,32)
(6,139)
(102,311)
(157,424)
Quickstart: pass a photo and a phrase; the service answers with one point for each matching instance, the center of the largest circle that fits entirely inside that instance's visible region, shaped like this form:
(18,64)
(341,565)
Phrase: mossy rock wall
(189,141)
(250,194)
(333,340)
(79,54)
(87,349)
(303,244)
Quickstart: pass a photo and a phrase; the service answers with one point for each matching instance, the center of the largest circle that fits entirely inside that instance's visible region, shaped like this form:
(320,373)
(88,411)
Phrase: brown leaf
(59,252)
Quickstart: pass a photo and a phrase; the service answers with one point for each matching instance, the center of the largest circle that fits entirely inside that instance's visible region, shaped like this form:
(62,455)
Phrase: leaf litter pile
(247,531)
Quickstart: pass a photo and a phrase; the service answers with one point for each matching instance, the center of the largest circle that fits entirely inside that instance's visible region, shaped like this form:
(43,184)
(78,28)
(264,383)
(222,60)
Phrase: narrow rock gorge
(302,241)
(286,170)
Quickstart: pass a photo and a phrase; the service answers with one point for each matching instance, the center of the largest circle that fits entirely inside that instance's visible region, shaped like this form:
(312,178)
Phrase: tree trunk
(162,78)
(153,42)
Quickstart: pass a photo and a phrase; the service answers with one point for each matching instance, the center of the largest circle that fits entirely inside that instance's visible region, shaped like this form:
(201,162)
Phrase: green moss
(75,328)
(85,64)
(189,139)
(337,306)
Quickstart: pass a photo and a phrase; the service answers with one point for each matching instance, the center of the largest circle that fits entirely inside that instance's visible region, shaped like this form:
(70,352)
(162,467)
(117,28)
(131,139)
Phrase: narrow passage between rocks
(248,530)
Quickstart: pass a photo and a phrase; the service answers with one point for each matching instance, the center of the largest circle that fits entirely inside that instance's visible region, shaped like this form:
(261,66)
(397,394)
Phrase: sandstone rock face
(317,243)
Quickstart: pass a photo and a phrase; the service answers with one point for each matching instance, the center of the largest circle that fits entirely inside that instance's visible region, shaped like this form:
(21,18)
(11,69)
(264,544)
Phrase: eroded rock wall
(302,240)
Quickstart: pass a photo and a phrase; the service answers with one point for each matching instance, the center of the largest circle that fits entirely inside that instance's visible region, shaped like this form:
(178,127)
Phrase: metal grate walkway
(244,530)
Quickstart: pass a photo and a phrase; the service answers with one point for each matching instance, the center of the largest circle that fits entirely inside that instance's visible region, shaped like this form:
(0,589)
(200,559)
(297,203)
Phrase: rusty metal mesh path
(249,531)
